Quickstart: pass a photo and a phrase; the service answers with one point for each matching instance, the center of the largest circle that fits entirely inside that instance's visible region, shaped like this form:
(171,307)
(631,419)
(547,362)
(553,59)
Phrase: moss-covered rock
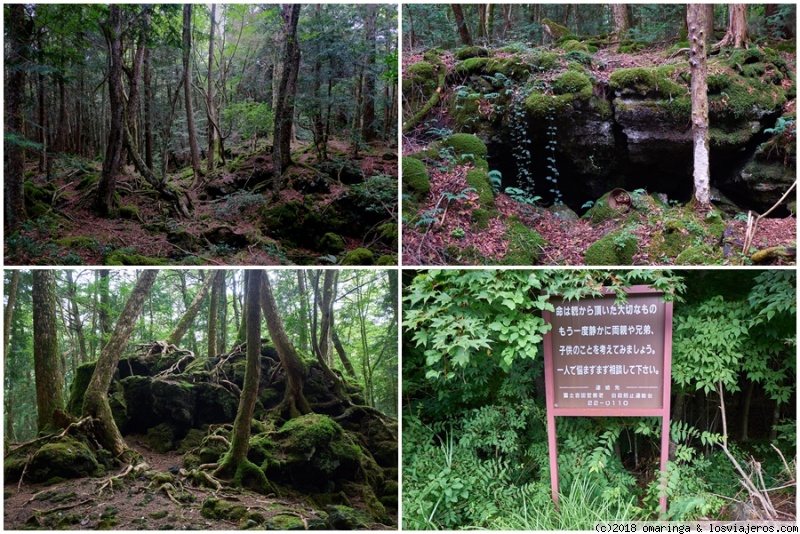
(285,522)
(359,256)
(346,518)
(386,260)
(470,52)
(129,212)
(525,245)
(478,179)
(572,45)
(463,144)
(119,258)
(416,181)
(554,29)
(332,243)
(571,82)
(76,242)
(66,458)
(698,255)
(616,248)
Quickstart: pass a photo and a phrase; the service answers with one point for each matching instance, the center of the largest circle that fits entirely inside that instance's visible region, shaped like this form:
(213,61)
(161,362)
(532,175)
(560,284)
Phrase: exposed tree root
(202,478)
(114,480)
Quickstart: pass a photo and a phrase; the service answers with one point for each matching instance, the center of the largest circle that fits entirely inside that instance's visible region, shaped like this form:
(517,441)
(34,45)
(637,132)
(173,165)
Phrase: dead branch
(61,508)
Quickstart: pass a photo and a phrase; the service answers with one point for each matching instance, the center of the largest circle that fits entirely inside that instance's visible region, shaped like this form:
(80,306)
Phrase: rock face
(625,127)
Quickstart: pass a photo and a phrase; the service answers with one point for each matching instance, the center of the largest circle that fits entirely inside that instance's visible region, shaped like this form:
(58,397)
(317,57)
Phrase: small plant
(587,205)
(522,196)
(496,177)
(552,142)
(458,233)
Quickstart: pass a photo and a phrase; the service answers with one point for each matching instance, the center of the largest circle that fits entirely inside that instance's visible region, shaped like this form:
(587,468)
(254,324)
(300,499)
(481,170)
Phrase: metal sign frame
(666,375)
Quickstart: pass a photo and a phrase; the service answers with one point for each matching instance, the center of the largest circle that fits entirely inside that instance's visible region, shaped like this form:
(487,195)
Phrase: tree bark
(8,314)
(305,321)
(18,37)
(461,25)
(294,398)
(112,29)
(368,127)
(696,21)
(105,307)
(49,376)
(95,402)
(235,461)
(284,111)
(210,115)
(191,312)
(187,92)
(148,111)
(77,323)
(346,363)
(621,22)
(213,311)
(736,35)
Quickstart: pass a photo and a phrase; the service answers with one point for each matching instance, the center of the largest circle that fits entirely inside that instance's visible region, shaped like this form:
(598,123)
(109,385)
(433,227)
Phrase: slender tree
(19,30)
(187,91)
(461,25)
(696,22)
(185,322)
(235,462)
(112,30)
(49,375)
(736,35)
(95,401)
(369,129)
(294,400)
(284,111)
(210,105)
(621,22)
(8,314)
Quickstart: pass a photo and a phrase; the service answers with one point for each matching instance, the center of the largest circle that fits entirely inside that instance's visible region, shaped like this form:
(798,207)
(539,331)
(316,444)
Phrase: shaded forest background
(87,303)
(159,115)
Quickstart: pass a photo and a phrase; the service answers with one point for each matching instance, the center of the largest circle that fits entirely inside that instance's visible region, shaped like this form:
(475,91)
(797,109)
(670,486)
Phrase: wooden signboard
(601,359)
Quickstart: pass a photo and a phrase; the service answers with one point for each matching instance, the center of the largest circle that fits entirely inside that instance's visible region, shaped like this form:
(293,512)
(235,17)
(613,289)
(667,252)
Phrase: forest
(159,399)
(602,134)
(207,134)
(475,443)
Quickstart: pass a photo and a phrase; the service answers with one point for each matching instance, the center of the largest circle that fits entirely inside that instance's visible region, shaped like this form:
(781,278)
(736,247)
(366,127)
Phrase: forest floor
(80,505)
(230,221)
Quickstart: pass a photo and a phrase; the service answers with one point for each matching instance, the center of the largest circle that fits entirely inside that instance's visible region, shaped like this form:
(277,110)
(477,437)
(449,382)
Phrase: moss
(285,522)
(616,248)
(389,232)
(66,457)
(465,144)
(309,431)
(421,71)
(524,245)
(511,67)
(698,255)
(572,82)
(345,518)
(479,180)
(77,390)
(386,260)
(332,243)
(540,106)
(475,65)
(161,514)
(574,46)
(480,218)
(160,438)
(544,60)
(643,81)
(213,508)
(669,243)
(359,256)
(129,212)
(557,31)
(416,181)
(75,242)
(737,137)
(471,52)
(118,257)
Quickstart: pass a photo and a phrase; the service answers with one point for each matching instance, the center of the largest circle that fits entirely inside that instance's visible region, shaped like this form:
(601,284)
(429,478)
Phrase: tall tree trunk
(294,399)
(148,111)
(134,74)
(696,21)
(19,30)
(77,323)
(104,202)
(40,90)
(305,321)
(481,21)
(736,35)
(222,321)
(323,347)
(369,129)
(191,312)
(346,363)
(211,118)
(490,23)
(95,402)
(8,313)
(105,307)
(213,311)
(235,462)
(187,92)
(284,111)
(461,25)
(49,376)
(621,22)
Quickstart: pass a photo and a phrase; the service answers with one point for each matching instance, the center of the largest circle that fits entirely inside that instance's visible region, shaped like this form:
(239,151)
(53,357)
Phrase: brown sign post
(601,359)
